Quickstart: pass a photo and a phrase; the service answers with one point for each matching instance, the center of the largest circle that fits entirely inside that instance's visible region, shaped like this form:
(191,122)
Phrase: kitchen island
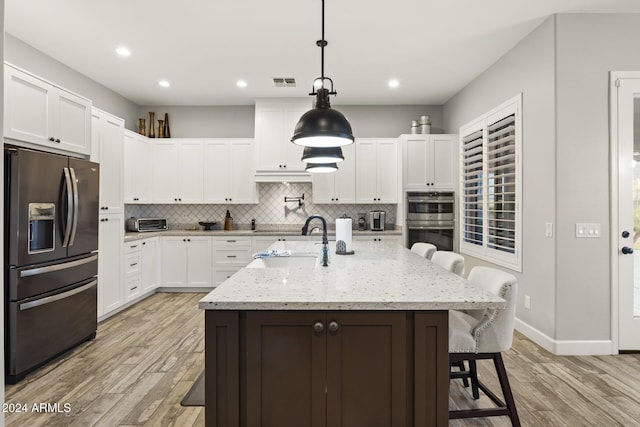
(362,342)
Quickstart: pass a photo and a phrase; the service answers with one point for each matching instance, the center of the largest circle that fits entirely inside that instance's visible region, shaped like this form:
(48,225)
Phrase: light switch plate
(587,229)
(548,229)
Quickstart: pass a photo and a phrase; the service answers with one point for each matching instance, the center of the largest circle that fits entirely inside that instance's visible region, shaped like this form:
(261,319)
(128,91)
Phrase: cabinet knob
(627,250)
(52,139)
(57,140)
(144,243)
(333,326)
(318,327)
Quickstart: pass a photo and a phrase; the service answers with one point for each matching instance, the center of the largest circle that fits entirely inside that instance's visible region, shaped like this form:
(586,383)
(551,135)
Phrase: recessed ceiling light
(241,83)
(394,83)
(123,51)
(164,83)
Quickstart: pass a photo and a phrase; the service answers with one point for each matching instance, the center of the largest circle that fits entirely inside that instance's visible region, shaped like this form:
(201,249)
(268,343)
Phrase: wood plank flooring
(145,359)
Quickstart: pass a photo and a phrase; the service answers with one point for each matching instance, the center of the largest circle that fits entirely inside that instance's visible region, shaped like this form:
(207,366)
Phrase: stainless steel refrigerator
(51,257)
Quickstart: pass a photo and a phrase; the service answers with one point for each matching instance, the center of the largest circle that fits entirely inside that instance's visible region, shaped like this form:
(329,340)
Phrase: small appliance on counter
(146,224)
(362,221)
(377,220)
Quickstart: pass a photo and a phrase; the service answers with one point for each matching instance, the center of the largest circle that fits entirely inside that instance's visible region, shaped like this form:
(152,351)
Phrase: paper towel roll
(343,231)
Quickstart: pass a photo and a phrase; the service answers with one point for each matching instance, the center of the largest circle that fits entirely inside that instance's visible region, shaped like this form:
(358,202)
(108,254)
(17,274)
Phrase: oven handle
(430,227)
(58,297)
(57,267)
(431,201)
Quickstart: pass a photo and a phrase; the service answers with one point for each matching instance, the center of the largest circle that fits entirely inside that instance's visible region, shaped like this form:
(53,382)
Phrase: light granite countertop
(266,230)
(379,276)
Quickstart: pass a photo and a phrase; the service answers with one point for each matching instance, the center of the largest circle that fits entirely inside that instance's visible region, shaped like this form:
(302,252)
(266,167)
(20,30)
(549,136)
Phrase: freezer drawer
(40,329)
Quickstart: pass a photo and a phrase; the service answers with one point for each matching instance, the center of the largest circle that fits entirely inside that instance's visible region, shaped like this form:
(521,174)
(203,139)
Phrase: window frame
(481,248)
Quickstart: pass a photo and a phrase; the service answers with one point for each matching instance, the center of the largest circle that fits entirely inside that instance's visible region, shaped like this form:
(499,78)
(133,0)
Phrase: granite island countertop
(379,276)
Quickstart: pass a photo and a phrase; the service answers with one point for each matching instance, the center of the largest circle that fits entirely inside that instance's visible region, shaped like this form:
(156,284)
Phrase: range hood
(281,176)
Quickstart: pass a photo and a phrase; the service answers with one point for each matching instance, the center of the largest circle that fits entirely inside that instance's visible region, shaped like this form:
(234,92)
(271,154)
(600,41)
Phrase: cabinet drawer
(236,255)
(232,241)
(130,247)
(132,264)
(222,274)
(132,287)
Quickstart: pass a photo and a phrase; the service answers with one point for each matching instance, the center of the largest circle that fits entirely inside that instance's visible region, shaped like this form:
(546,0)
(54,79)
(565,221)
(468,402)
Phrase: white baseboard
(565,347)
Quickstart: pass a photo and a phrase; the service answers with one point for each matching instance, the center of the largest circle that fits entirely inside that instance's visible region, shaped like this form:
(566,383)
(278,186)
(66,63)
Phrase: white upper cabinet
(107,141)
(38,112)
(429,162)
(340,186)
(229,171)
(138,163)
(275,122)
(376,170)
(178,171)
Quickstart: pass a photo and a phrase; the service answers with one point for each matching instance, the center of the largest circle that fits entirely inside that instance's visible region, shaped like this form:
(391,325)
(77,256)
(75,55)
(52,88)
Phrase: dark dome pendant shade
(322,155)
(321,167)
(323,127)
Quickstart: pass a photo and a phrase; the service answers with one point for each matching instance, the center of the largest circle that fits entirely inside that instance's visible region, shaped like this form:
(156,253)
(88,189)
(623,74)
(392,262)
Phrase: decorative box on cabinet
(138,164)
(178,171)
(338,187)
(107,141)
(276,155)
(376,170)
(186,261)
(430,162)
(229,171)
(41,113)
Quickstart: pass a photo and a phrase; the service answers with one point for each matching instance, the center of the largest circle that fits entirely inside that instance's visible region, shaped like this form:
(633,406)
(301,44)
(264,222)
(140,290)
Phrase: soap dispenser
(228,222)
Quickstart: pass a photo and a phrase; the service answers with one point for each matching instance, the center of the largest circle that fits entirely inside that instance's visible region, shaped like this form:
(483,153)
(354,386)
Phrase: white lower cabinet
(150,258)
(261,243)
(186,261)
(141,271)
(110,236)
(378,238)
(230,254)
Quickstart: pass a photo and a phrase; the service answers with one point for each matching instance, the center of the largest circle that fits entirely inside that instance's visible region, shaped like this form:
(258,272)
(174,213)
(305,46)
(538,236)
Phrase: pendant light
(322,155)
(323,126)
(321,167)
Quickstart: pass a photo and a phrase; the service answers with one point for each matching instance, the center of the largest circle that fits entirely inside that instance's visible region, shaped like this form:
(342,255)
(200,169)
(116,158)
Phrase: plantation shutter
(472,155)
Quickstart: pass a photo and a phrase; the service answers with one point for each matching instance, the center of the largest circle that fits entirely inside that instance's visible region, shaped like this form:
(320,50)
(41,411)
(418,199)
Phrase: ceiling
(203,47)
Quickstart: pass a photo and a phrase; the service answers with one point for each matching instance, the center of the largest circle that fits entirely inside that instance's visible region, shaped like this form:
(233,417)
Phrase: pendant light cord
(323,43)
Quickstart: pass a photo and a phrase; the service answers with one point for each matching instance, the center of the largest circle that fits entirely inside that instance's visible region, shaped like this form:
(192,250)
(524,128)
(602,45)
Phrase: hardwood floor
(145,359)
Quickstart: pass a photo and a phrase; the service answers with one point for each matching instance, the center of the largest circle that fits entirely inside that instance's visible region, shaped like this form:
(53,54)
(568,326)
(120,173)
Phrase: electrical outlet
(548,229)
(527,302)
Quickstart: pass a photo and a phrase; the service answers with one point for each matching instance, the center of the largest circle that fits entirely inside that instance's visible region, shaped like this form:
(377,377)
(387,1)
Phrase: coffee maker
(362,221)
(377,220)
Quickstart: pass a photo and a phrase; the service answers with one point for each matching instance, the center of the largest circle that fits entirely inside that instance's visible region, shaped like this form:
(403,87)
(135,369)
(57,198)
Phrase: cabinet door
(174,261)
(285,369)
(166,155)
(445,161)
(108,137)
(190,173)
(110,277)
(150,272)
(199,262)
(242,186)
(324,187)
(144,169)
(345,177)
(72,122)
(292,152)
(261,243)
(269,139)
(416,150)
(216,173)
(26,107)
(129,166)
(387,171)
(366,369)
(366,170)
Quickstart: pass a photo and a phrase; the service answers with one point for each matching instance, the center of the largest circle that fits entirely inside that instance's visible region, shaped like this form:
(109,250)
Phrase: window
(490,186)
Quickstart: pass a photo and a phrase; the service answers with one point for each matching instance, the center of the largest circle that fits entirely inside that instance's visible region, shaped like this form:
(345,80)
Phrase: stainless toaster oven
(146,224)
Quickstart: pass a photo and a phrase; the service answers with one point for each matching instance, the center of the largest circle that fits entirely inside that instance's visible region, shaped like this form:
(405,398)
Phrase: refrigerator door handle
(67,226)
(74,227)
(58,297)
(57,267)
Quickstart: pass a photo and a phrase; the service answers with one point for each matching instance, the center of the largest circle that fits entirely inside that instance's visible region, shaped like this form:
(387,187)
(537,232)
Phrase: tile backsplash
(272,209)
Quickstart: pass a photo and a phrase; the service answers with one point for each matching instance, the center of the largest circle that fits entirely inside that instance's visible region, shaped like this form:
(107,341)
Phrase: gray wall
(380,121)
(26,57)
(588,47)
(528,69)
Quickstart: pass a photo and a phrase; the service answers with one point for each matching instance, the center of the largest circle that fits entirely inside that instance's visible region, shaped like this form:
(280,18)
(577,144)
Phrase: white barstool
(485,334)
(425,250)
(449,260)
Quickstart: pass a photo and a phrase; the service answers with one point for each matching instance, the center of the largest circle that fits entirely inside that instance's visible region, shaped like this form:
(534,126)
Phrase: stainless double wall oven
(431,219)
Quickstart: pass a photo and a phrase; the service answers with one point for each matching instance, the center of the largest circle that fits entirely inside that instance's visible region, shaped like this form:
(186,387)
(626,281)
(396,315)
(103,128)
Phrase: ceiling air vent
(284,81)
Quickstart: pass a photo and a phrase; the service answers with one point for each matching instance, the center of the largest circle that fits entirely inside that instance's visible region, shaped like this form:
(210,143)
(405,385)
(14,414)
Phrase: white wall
(527,68)
(24,56)
(367,121)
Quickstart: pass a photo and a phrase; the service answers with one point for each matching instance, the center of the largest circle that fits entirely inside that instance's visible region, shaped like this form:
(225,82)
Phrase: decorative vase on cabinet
(160,128)
(152,131)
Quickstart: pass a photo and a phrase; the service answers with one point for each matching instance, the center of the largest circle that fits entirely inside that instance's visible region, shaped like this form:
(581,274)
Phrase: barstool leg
(506,389)
(474,379)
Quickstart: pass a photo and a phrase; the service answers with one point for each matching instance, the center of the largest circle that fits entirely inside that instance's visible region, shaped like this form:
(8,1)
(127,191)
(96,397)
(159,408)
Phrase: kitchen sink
(307,260)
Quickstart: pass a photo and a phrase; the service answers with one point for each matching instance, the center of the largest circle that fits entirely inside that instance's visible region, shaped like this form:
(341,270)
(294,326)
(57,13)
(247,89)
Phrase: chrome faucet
(325,239)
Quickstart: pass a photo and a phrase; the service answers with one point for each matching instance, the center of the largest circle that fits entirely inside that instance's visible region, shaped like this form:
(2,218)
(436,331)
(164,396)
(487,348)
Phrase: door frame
(614,77)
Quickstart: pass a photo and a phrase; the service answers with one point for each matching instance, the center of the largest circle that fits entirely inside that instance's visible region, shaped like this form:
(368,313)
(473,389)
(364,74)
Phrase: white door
(191,172)
(199,261)
(174,261)
(166,170)
(216,172)
(242,187)
(626,174)
(387,171)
